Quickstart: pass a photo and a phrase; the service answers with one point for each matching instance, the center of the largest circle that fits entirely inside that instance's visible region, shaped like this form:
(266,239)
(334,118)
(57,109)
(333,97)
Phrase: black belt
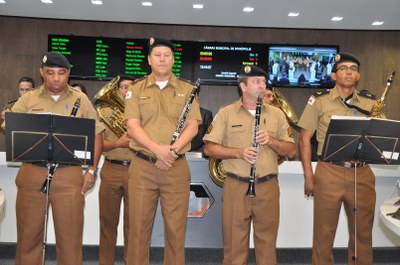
(44,164)
(348,164)
(153,160)
(257,180)
(119,162)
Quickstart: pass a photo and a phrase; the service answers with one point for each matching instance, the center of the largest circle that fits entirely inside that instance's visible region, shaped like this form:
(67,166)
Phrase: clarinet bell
(251,192)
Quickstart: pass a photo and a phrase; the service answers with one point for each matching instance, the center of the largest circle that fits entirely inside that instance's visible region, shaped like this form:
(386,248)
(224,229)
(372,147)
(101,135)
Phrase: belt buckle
(125,162)
(347,164)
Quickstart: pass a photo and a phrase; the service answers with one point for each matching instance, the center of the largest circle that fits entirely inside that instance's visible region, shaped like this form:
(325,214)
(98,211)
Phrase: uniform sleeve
(216,131)
(132,110)
(284,131)
(309,118)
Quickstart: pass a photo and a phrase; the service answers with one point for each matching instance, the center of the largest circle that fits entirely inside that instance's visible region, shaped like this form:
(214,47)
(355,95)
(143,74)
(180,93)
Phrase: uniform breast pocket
(147,106)
(176,106)
(271,128)
(237,136)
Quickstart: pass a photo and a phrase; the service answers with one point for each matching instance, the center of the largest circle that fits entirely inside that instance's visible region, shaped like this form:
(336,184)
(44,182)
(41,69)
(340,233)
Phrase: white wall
(295,229)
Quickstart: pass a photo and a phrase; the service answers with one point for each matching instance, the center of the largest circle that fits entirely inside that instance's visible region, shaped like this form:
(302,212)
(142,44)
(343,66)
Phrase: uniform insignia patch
(209,129)
(311,100)
(128,94)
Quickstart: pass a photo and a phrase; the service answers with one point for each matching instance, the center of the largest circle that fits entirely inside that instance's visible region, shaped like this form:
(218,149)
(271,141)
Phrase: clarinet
(46,185)
(251,192)
(185,111)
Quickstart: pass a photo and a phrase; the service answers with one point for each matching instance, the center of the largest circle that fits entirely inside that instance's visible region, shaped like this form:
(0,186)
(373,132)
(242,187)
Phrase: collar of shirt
(336,95)
(42,91)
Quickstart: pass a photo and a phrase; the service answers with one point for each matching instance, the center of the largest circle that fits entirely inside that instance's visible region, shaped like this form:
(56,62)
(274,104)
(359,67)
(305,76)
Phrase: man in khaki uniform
(25,84)
(332,184)
(230,138)
(68,186)
(114,183)
(160,170)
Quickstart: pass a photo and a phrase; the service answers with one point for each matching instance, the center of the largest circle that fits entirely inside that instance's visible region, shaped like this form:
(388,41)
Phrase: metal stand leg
(355,216)
(45,190)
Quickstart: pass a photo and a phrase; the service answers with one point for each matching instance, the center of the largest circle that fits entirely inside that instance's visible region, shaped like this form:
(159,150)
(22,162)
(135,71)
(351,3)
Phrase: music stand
(363,139)
(370,140)
(49,138)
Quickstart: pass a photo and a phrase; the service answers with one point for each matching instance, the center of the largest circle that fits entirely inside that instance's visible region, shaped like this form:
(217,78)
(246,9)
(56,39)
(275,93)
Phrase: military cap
(54,59)
(154,42)
(344,57)
(251,70)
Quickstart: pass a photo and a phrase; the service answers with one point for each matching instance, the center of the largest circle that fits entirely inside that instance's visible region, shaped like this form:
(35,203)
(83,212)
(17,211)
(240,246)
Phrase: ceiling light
(147,4)
(336,18)
(248,9)
(47,1)
(293,14)
(198,6)
(97,2)
(2,1)
(377,23)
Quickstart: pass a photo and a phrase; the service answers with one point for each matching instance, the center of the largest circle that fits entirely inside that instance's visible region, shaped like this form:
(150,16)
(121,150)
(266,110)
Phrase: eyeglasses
(345,68)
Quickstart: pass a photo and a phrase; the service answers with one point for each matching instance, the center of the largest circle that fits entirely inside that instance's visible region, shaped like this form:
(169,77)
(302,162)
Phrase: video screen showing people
(301,66)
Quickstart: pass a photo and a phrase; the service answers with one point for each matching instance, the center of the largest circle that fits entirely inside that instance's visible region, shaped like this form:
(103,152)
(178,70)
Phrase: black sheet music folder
(372,140)
(49,138)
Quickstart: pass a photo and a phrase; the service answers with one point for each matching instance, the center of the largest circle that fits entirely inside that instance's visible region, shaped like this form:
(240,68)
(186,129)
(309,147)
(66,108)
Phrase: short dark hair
(27,79)
(123,78)
(81,86)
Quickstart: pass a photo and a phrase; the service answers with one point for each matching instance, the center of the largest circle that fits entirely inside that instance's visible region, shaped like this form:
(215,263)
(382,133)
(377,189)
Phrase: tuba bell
(215,168)
(110,107)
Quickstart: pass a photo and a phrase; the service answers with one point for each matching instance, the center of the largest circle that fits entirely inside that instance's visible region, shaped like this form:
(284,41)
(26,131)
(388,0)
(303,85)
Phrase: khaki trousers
(147,184)
(113,189)
(334,186)
(239,210)
(67,204)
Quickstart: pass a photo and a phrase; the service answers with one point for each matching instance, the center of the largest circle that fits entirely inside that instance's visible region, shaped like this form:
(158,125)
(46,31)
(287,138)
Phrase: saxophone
(377,108)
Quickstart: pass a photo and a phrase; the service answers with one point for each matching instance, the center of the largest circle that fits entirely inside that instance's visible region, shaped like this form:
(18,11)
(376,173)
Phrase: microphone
(76,106)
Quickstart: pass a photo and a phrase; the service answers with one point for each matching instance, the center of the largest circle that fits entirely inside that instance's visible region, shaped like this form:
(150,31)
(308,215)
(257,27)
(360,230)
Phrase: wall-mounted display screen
(301,65)
(100,58)
(220,63)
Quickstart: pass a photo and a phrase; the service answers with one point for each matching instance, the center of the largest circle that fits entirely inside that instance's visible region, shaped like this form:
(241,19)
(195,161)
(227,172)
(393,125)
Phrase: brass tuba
(110,107)
(377,108)
(215,168)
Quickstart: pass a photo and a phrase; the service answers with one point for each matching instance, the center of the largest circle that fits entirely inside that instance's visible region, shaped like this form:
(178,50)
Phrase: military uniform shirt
(233,127)
(109,135)
(38,101)
(159,109)
(320,108)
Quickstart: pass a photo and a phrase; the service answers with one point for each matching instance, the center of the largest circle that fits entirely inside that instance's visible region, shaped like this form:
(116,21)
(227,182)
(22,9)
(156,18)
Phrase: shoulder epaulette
(139,79)
(321,93)
(366,94)
(12,101)
(185,80)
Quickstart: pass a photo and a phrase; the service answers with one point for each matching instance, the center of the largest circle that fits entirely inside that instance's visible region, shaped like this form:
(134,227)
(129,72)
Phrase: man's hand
(249,154)
(88,182)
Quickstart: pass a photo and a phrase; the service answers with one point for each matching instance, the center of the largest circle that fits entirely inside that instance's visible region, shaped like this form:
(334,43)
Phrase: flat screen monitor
(101,58)
(220,62)
(301,65)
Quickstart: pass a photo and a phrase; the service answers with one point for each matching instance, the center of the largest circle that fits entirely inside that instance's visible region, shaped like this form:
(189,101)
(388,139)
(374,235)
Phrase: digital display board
(220,63)
(100,58)
(301,65)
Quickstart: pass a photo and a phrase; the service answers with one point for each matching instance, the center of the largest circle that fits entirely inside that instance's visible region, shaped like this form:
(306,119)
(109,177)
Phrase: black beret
(54,59)
(154,42)
(125,77)
(344,57)
(251,70)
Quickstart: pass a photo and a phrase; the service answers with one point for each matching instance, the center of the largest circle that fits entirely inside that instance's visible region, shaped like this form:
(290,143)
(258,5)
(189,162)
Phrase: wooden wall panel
(24,40)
